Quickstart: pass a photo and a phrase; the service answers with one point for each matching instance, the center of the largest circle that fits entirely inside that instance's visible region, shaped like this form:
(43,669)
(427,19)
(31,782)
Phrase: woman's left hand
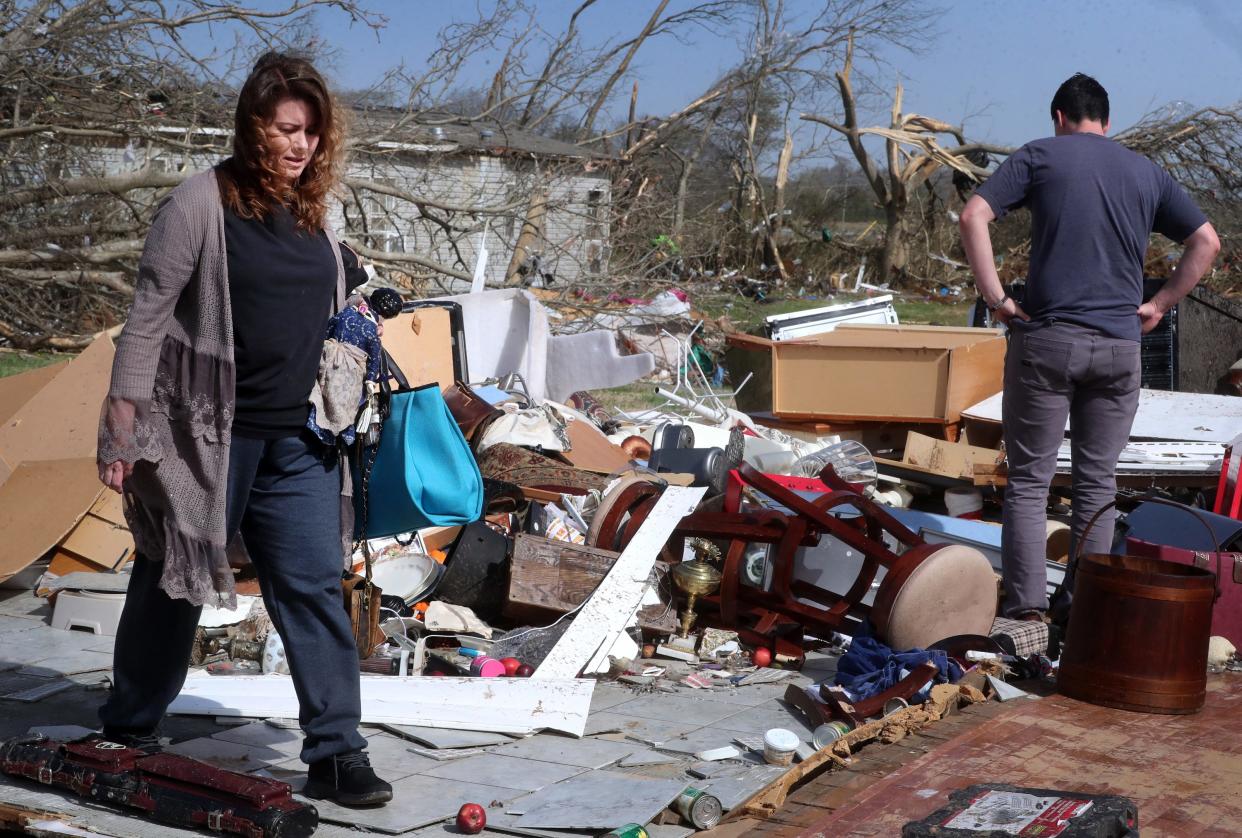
(113,474)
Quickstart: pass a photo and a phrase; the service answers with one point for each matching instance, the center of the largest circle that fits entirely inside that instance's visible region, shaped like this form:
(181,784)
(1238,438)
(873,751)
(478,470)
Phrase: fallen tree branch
(112,185)
(95,255)
(407,258)
(113,280)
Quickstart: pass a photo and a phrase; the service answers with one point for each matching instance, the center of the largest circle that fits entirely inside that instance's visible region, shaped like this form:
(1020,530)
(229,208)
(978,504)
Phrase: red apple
(761,657)
(525,671)
(512,665)
(471,818)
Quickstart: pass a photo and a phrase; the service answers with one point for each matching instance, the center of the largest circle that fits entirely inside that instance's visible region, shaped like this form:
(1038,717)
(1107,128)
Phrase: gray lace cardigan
(169,409)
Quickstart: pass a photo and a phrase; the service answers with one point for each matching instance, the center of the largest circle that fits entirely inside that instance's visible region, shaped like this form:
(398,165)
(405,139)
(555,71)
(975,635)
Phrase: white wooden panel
(608,611)
(1161,415)
(503,705)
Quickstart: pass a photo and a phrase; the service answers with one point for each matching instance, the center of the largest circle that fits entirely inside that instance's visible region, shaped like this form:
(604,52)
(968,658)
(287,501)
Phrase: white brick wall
(575,224)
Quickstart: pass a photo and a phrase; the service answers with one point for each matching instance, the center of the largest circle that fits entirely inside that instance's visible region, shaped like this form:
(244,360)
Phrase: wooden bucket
(1138,633)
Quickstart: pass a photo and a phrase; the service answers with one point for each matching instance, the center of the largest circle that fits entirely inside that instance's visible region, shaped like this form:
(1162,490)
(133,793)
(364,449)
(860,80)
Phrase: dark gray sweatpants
(1054,370)
(284,496)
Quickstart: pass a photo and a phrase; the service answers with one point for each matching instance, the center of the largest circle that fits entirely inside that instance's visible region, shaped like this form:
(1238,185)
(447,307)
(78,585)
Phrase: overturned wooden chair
(929,591)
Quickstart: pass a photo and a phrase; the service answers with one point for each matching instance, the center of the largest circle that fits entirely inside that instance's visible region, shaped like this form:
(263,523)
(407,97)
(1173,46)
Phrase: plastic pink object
(486,667)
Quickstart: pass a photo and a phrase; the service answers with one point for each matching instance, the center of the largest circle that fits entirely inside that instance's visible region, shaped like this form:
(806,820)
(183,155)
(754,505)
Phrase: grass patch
(12,362)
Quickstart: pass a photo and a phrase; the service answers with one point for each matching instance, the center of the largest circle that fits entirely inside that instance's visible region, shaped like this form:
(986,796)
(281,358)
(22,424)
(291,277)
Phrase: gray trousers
(284,496)
(1056,370)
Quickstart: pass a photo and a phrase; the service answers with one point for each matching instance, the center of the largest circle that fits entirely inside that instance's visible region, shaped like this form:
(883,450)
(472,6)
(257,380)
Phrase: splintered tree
(731,146)
(907,169)
(1202,148)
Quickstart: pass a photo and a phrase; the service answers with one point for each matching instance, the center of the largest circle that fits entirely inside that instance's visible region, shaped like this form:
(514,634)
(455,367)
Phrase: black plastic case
(999,811)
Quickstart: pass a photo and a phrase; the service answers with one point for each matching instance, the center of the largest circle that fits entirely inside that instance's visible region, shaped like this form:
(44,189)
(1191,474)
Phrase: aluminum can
(630,830)
(699,808)
(829,732)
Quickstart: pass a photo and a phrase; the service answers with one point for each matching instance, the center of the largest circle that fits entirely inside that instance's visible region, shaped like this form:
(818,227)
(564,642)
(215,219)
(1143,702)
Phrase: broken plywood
(949,459)
(592,451)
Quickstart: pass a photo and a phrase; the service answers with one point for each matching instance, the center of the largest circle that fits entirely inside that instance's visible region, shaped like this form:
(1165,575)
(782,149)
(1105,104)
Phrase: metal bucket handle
(1211,535)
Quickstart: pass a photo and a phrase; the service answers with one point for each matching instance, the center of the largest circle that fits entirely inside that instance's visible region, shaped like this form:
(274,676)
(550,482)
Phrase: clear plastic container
(851,460)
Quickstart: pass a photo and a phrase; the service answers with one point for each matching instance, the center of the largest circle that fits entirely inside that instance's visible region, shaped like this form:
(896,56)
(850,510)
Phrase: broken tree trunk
(530,238)
(896,254)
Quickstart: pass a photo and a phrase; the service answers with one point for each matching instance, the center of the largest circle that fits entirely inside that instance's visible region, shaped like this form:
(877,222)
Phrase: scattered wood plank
(945,699)
(949,459)
(603,619)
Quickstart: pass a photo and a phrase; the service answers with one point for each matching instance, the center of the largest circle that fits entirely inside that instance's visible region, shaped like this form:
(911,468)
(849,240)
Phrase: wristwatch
(995,306)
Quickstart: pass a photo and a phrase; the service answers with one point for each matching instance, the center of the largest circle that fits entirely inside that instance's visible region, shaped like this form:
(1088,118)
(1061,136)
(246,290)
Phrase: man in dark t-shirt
(1074,341)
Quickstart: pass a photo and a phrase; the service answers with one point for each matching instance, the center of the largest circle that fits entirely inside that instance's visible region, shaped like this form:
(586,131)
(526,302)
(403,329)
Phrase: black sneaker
(148,743)
(348,779)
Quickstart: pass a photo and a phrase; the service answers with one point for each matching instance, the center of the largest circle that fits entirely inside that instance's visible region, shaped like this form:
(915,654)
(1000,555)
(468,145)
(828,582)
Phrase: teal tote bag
(422,473)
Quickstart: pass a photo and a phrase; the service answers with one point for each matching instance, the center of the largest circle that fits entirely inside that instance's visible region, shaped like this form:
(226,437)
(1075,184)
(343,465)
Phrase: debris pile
(663,616)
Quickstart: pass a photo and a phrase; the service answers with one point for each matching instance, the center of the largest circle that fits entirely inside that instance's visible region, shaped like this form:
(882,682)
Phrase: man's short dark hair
(1081,97)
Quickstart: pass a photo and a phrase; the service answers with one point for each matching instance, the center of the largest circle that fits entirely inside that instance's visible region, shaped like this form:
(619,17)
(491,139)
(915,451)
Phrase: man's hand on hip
(1150,316)
(1009,310)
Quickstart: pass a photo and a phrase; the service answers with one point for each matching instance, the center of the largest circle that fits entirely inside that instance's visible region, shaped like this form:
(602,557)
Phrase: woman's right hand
(113,474)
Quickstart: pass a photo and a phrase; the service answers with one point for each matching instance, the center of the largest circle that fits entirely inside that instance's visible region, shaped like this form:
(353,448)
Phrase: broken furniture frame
(779,614)
(833,705)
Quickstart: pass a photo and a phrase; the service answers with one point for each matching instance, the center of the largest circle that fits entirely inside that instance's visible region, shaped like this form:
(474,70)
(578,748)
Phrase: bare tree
(1202,147)
(106,105)
(103,105)
(905,171)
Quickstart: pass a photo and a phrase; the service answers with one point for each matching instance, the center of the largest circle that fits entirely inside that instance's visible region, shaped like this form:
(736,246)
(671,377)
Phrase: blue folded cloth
(354,325)
(869,668)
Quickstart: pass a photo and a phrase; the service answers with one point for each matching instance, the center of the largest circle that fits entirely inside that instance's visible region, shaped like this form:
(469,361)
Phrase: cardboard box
(48,478)
(428,342)
(101,539)
(750,355)
(917,374)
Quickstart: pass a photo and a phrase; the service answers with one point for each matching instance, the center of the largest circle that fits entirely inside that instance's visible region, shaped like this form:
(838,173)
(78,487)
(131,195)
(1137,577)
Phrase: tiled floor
(499,774)
(1184,772)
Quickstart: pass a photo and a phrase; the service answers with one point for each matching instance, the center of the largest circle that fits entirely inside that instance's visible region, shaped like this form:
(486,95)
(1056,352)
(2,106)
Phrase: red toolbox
(1227,612)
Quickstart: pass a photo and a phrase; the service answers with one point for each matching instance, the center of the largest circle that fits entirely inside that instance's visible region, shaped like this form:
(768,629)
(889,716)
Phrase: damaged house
(424,195)
(547,201)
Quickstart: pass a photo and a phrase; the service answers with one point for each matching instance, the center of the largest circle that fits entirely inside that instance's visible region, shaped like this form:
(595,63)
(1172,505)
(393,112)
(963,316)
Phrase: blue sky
(992,63)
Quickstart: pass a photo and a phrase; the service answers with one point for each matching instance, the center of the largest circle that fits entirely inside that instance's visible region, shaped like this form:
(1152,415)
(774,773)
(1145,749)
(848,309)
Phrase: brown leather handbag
(362,603)
(471,411)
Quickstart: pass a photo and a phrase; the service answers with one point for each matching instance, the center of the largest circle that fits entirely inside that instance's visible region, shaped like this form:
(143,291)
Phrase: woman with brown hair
(204,428)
